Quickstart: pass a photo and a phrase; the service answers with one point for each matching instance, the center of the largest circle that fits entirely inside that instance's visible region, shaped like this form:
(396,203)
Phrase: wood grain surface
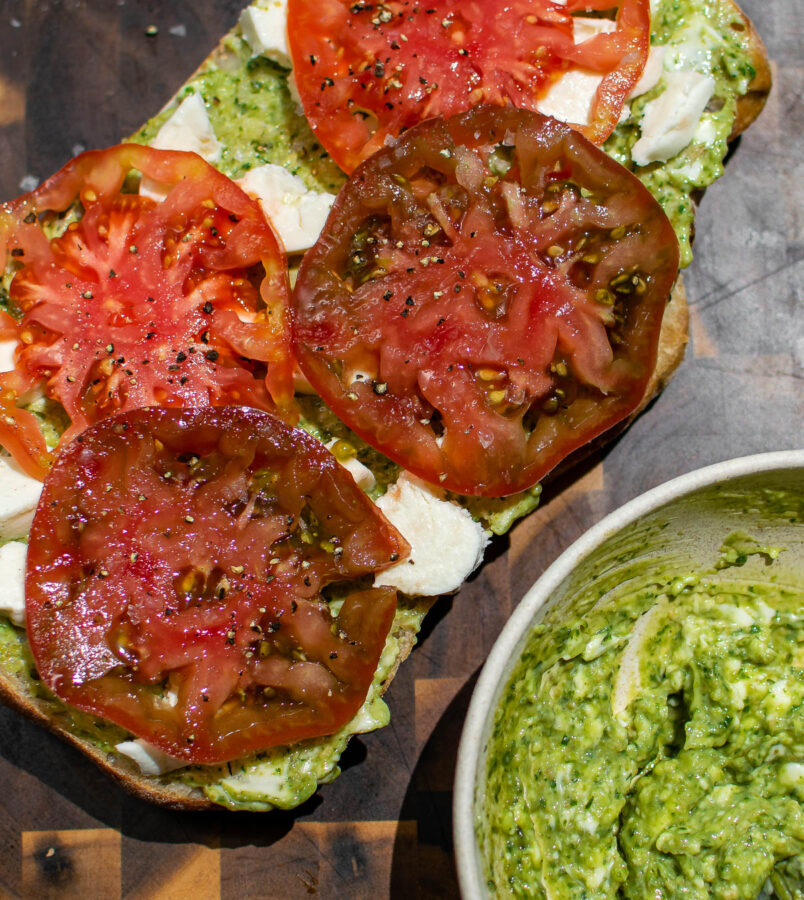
(82,73)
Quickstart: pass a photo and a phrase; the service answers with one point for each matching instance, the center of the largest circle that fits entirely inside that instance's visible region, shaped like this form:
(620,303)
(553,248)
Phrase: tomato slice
(485,298)
(139,303)
(175,570)
(368,71)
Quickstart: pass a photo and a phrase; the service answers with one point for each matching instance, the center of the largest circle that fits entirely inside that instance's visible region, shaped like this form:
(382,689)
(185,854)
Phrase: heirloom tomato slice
(486,297)
(175,574)
(181,302)
(367,71)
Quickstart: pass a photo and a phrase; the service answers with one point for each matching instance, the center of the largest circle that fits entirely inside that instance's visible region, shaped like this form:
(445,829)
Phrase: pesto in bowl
(639,729)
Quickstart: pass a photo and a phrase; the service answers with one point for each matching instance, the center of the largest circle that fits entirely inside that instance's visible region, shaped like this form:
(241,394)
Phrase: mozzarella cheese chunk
(651,74)
(19,494)
(585,28)
(7,349)
(151,760)
(669,121)
(189,128)
(12,581)
(363,476)
(570,98)
(446,544)
(265,28)
(295,96)
(297,213)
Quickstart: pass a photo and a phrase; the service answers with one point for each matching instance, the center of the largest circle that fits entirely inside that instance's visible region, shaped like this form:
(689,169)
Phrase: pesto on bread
(256,120)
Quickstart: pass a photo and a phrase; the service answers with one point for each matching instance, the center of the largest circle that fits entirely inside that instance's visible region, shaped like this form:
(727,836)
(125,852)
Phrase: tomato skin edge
(75,641)
(99,175)
(357,94)
(316,288)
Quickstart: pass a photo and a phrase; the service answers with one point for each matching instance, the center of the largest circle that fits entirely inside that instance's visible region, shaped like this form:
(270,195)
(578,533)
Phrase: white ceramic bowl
(694,503)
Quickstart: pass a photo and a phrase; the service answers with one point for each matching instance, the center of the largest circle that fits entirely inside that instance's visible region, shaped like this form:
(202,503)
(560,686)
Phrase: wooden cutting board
(82,73)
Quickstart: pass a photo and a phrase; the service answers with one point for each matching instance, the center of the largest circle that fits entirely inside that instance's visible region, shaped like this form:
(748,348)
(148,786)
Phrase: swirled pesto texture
(653,747)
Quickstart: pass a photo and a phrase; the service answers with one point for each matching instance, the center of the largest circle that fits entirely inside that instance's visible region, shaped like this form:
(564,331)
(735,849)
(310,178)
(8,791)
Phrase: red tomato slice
(140,303)
(485,298)
(368,71)
(175,570)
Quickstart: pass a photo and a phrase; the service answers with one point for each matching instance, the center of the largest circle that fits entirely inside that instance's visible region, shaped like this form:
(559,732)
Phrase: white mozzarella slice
(265,28)
(669,121)
(569,99)
(297,213)
(12,581)
(651,74)
(792,775)
(7,349)
(586,28)
(189,128)
(363,476)
(295,96)
(691,50)
(19,494)
(151,760)
(446,543)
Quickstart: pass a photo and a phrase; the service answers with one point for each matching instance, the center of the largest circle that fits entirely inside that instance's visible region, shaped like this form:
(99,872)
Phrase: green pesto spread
(709,37)
(254,116)
(654,748)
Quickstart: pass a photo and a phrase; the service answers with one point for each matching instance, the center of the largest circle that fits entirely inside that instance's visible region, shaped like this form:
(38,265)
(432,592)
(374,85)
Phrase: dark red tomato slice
(368,71)
(139,303)
(485,298)
(175,569)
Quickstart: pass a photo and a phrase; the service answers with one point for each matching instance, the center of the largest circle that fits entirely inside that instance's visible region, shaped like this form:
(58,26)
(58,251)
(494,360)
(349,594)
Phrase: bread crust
(750,105)
(673,339)
(16,691)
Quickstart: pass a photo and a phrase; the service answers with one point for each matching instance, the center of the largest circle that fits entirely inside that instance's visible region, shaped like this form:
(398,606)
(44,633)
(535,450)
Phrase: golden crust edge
(672,346)
(750,105)
(15,693)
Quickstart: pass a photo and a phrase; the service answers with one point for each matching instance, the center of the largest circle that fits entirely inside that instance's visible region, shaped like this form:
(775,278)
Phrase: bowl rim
(467,858)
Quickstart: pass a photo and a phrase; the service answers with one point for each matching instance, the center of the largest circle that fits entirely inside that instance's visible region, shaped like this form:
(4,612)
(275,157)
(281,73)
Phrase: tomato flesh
(139,303)
(368,71)
(486,298)
(175,570)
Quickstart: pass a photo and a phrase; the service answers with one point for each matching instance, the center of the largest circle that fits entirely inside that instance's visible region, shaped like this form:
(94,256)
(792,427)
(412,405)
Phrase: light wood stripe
(435,770)
(702,344)
(528,530)
(12,103)
(432,696)
(71,865)
(187,873)
(359,859)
